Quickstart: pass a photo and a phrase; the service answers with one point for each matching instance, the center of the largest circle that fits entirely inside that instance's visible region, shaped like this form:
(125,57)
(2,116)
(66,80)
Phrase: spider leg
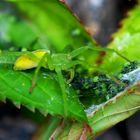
(71,70)
(78,51)
(85,48)
(82,49)
(108,74)
(34,79)
(63,88)
(75,62)
(71,75)
(50,62)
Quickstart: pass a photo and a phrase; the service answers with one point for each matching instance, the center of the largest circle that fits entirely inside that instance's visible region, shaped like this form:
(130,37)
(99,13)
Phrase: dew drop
(97,3)
(18,89)
(75,32)
(23,49)
(44,75)
(49,102)
(52,99)
(12,49)
(23,84)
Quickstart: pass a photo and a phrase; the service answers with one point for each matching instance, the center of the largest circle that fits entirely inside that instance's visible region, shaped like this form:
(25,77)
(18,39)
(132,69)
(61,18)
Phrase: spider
(57,62)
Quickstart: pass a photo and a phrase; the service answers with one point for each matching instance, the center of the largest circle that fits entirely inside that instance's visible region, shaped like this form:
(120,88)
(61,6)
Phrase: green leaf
(57,27)
(108,114)
(17,34)
(126,41)
(117,109)
(72,132)
(46,97)
(23,30)
(55,24)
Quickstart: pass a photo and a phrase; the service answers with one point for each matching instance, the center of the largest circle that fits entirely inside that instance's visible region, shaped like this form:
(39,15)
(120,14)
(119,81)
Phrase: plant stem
(48,128)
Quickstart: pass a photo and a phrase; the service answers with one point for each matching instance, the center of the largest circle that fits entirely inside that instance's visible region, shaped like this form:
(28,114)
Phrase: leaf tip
(43,112)
(31,108)
(17,104)
(3,99)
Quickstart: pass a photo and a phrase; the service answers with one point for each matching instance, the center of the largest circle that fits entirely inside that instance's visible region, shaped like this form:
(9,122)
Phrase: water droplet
(92,108)
(75,32)
(23,84)
(52,99)
(12,49)
(97,3)
(70,85)
(44,75)
(49,102)
(23,49)
(18,89)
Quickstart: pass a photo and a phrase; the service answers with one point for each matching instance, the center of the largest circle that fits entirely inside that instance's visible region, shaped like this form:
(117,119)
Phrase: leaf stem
(48,128)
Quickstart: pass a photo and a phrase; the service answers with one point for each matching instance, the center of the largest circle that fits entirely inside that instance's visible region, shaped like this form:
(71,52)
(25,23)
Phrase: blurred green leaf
(126,41)
(55,24)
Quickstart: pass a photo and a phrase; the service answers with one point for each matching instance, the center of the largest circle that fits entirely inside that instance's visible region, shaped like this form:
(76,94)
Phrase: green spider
(57,62)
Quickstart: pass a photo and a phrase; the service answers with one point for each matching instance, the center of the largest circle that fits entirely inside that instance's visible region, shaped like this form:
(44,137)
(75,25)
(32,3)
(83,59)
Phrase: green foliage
(116,110)
(30,33)
(126,41)
(44,98)
(31,25)
(126,103)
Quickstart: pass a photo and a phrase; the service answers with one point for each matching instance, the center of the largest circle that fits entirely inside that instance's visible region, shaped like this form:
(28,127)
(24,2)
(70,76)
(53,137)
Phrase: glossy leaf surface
(39,25)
